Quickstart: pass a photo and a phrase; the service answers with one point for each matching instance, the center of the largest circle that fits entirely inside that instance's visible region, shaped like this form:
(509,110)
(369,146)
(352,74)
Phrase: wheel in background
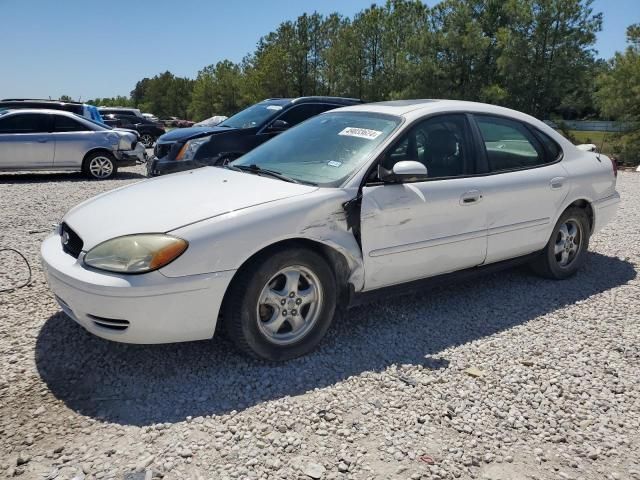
(100,165)
(147,140)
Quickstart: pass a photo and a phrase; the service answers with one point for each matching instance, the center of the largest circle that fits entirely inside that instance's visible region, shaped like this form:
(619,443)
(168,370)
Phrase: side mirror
(404,171)
(278,125)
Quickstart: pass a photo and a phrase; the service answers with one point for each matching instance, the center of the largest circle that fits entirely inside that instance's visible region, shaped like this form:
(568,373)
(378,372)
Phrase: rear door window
(509,144)
(25,123)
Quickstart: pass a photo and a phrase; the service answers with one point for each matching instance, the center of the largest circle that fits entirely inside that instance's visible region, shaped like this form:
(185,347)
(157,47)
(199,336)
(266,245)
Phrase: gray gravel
(507,377)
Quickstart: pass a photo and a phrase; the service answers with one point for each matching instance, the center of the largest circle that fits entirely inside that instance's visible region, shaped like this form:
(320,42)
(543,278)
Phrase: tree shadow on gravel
(141,385)
(31,177)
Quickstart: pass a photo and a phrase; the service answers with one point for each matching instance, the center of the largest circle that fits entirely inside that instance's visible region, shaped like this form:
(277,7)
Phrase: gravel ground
(507,377)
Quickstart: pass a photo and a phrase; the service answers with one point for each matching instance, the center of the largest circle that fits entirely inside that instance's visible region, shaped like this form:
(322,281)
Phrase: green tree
(618,95)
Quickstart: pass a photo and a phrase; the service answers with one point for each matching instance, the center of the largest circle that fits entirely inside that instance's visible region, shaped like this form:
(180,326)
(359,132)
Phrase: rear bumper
(144,309)
(604,210)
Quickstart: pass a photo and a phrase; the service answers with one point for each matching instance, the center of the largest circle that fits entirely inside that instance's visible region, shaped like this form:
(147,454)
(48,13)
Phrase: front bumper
(162,166)
(144,309)
(131,158)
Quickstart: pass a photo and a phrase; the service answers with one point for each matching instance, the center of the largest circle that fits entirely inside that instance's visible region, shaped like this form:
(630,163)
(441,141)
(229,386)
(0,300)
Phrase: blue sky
(92,48)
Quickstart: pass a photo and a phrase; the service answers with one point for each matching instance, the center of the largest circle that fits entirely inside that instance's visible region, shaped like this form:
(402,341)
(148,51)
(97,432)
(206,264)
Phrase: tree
(618,95)
(545,51)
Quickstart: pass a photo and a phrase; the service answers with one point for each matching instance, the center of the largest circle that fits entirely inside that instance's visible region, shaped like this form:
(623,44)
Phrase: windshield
(324,150)
(254,115)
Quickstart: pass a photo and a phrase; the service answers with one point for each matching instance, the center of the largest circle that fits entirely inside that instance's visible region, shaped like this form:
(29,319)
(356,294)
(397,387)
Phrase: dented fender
(226,242)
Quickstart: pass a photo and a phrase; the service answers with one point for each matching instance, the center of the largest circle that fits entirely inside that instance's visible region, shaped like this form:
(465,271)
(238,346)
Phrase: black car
(188,148)
(148,131)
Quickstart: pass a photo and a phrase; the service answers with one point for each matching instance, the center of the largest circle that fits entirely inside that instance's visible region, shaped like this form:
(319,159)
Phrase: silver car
(39,139)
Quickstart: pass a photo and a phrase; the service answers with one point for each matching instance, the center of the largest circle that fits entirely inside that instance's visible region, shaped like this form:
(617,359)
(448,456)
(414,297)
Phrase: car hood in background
(165,203)
(179,134)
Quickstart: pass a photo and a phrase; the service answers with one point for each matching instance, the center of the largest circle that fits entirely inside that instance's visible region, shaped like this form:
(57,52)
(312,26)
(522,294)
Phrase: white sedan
(354,200)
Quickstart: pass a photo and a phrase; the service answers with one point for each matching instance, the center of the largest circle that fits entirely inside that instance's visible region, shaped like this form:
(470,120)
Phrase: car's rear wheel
(566,250)
(100,165)
(147,140)
(281,305)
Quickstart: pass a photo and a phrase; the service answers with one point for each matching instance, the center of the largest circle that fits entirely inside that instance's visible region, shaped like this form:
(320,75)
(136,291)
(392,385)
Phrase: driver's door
(420,229)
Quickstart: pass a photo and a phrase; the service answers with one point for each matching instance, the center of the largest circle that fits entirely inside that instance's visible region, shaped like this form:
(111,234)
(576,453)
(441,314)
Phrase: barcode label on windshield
(360,133)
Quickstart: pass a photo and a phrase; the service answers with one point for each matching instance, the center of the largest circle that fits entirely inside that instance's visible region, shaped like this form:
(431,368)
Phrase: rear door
(73,139)
(25,141)
(524,189)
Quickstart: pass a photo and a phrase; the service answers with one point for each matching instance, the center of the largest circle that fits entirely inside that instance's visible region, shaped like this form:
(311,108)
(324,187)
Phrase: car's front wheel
(100,165)
(566,250)
(281,305)
(147,140)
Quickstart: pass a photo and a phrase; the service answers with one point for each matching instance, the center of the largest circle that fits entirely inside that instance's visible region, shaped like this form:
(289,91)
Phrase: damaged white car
(352,201)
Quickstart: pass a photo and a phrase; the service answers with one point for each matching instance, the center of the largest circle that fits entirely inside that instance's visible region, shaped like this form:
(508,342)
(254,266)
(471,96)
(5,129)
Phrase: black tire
(89,170)
(242,322)
(549,264)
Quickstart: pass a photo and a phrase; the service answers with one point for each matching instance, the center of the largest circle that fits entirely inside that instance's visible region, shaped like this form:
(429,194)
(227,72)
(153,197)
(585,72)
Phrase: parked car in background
(211,121)
(148,131)
(176,122)
(151,116)
(180,150)
(120,111)
(84,110)
(345,204)
(41,139)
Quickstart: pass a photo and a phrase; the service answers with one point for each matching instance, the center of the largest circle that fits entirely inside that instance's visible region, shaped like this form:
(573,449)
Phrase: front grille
(71,242)
(109,323)
(162,149)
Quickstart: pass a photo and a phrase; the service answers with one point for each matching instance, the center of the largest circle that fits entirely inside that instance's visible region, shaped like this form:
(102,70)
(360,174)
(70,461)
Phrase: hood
(182,134)
(166,203)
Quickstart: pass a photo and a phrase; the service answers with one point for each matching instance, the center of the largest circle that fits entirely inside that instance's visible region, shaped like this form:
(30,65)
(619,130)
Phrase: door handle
(470,197)
(42,140)
(557,182)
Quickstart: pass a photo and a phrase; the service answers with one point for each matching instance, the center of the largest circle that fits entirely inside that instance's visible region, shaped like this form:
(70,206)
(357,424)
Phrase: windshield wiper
(253,168)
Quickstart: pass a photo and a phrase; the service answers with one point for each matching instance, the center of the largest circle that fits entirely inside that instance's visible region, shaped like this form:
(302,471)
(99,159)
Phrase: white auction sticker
(360,133)
(274,107)
(333,163)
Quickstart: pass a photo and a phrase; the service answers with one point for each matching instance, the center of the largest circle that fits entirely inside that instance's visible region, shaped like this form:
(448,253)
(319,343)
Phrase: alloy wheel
(147,140)
(568,242)
(101,167)
(289,305)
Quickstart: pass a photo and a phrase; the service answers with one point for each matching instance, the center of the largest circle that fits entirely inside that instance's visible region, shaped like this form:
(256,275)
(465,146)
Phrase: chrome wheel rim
(147,140)
(289,305)
(568,242)
(101,167)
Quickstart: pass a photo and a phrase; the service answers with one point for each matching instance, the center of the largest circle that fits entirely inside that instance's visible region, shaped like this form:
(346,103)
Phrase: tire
(566,250)
(281,305)
(147,140)
(100,166)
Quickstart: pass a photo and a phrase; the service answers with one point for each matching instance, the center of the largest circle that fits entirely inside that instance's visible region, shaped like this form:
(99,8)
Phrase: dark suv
(148,131)
(188,148)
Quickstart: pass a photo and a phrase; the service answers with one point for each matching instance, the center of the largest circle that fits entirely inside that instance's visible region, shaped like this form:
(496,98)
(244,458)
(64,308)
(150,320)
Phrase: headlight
(188,151)
(136,253)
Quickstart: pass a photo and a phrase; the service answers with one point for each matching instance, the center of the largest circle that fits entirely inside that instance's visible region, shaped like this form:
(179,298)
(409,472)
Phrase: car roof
(43,100)
(315,99)
(412,109)
(44,110)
